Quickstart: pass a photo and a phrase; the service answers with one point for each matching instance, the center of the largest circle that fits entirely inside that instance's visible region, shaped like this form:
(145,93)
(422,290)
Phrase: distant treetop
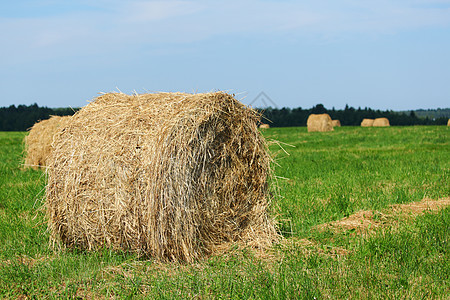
(23,117)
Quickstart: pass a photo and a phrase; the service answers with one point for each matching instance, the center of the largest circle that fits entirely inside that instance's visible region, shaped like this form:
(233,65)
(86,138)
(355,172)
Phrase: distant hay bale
(336,123)
(169,175)
(367,123)
(381,122)
(38,143)
(320,123)
(448,122)
(264,126)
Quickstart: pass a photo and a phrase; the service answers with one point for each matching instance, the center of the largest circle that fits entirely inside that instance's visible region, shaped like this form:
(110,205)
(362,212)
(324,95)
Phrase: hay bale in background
(448,122)
(367,123)
(336,123)
(264,126)
(381,122)
(320,123)
(38,143)
(167,175)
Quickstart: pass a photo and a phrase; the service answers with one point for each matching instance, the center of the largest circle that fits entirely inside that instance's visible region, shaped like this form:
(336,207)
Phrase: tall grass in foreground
(328,176)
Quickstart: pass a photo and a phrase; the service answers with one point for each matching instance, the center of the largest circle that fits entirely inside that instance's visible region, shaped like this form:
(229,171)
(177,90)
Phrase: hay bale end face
(38,143)
(336,123)
(381,122)
(367,123)
(166,175)
(319,122)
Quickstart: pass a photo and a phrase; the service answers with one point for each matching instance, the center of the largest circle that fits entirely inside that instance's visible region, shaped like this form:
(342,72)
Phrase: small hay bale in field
(448,122)
(168,175)
(336,123)
(367,123)
(380,122)
(321,122)
(38,143)
(264,126)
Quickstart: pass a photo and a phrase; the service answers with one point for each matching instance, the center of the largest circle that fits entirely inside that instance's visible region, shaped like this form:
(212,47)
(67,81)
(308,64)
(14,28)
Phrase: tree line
(23,117)
(349,116)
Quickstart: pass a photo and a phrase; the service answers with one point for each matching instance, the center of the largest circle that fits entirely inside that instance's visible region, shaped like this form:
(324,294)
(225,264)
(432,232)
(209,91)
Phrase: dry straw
(381,122)
(367,123)
(336,123)
(168,175)
(38,143)
(321,122)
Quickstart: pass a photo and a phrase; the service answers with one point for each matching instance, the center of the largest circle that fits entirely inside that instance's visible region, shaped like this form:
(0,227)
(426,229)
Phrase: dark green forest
(350,116)
(432,113)
(22,117)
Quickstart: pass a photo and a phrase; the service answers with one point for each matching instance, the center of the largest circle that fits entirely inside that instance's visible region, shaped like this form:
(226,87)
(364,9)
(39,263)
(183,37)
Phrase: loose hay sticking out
(367,123)
(336,123)
(38,143)
(167,175)
(320,122)
(381,122)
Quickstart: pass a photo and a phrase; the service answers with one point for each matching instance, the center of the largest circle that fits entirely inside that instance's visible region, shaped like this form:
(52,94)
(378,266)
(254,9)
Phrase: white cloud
(118,24)
(151,11)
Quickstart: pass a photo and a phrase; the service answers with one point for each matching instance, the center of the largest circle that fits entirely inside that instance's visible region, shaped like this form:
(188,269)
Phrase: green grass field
(321,177)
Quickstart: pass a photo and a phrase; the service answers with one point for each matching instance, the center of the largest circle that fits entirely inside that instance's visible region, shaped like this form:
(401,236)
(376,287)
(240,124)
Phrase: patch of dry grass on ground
(368,220)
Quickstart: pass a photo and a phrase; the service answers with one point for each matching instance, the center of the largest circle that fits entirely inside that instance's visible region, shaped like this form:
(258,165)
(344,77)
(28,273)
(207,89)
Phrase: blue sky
(373,53)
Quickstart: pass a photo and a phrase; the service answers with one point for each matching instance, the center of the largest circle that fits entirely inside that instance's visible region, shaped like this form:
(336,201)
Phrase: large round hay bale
(38,143)
(336,123)
(380,122)
(448,122)
(367,123)
(321,122)
(264,126)
(167,175)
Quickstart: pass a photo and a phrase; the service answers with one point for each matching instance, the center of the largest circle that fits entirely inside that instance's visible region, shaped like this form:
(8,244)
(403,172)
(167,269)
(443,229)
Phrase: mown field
(342,204)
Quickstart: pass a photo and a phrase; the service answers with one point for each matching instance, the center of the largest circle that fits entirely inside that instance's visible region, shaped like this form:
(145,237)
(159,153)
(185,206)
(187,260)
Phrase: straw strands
(319,122)
(168,175)
(336,123)
(381,122)
(38,143)
(367,123)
